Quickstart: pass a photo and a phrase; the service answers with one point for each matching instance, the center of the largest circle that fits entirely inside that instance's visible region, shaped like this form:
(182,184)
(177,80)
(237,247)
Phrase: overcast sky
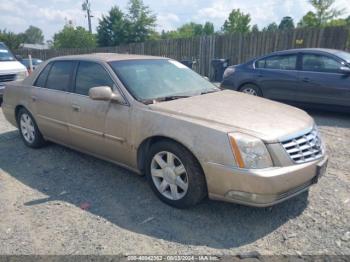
(50,15)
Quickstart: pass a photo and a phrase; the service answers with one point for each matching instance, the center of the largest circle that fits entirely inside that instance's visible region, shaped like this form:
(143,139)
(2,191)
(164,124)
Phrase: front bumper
(261,187)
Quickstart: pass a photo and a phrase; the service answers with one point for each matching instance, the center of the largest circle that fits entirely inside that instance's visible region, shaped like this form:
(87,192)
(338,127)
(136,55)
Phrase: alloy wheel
(250,91)
(169,175)
(27,128)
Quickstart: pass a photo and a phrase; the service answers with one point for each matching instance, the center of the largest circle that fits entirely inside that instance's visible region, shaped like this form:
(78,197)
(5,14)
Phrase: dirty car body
(191,139)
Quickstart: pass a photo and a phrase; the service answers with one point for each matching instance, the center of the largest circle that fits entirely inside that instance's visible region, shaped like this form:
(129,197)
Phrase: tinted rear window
(278,62)
(60,74)
(41,80)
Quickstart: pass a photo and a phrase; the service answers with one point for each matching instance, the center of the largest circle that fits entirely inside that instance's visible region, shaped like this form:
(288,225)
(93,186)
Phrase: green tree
(33,35)
(71,37)
(308,20)
(190,30)
(237,22)
(12,40)
(113,28)
(154,36)
(324,10)
(287,23)
(273,27)
(347,20)
(208,28)
(255,28)
(173,34)
(337,22)
(141,20)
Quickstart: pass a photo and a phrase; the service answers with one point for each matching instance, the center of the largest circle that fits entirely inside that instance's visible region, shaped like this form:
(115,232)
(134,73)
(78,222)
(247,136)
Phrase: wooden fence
(236,47)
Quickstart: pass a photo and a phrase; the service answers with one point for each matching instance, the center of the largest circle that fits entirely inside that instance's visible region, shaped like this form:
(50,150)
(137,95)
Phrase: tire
(189,181)
(251,90)
(29,130)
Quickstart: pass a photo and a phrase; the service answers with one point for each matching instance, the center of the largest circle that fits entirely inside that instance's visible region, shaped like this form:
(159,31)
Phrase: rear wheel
(175,175)
(28,129)
(251,89)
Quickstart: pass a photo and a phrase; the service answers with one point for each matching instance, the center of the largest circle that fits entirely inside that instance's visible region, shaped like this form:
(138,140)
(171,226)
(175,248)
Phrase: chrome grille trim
(7,78)
(304,148)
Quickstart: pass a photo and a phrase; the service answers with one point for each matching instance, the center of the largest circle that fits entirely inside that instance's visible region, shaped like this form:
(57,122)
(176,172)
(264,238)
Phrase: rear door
(322,81)
(278,76)
(49,100)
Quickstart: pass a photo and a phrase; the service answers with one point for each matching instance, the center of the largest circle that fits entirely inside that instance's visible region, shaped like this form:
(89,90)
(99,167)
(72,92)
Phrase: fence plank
(236,47)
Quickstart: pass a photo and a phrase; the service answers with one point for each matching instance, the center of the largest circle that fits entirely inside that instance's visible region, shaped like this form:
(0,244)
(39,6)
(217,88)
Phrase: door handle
(76,108)
(34,98)
(306,79)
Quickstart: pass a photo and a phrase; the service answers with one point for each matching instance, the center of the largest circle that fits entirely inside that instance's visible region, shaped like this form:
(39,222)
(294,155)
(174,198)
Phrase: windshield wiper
(162,99)
(169,98)
(210,91)
(174,97)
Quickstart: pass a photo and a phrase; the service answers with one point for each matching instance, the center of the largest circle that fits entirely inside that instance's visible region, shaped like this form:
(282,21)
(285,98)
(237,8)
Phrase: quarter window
(41,80)
(260,63)
(90,75)
(320,63)
(59,77)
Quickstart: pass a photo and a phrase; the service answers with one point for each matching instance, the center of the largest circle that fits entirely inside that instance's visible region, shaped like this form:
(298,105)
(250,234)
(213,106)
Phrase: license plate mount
(321,169)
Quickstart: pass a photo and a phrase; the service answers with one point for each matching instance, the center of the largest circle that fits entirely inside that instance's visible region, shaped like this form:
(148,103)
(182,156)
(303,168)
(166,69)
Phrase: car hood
(234,111)
(11,67)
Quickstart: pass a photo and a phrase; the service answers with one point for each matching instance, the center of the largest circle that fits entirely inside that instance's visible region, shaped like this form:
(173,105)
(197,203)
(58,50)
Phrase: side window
(281,62)
(41,80)
(59,77)
(320,63)
(260,63)
(90,75)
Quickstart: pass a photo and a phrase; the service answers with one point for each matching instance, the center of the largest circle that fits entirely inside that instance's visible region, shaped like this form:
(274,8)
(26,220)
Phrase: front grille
(7,78)
(304,148)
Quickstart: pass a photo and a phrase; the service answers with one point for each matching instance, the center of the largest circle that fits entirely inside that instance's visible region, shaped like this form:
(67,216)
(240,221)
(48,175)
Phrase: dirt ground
(58,201)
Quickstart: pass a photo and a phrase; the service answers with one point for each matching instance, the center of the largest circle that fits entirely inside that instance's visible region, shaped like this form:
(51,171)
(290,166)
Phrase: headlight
(230,70)
(249,152)
(21,75)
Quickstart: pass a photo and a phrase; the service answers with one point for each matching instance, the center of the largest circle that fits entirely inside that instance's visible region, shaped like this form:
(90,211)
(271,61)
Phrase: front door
(323,82)
(88,128)
(49,100)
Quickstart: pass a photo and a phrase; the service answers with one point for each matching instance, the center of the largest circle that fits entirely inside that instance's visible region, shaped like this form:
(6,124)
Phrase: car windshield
(154,79)
(344,55)
(5,54)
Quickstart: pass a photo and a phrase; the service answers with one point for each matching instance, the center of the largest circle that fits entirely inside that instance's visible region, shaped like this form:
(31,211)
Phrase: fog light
(242,196)
(251,197)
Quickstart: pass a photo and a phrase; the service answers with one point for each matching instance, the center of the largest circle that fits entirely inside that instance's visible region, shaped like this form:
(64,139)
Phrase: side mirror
(18,57)
(206,78)
(104,93)
(345,70)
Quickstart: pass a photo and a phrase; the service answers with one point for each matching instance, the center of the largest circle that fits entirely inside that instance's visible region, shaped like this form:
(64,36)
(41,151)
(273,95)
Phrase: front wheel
(29,130)
(175,175)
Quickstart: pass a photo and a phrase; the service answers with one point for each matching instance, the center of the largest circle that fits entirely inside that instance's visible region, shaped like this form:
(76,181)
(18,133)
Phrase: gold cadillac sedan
(159,118)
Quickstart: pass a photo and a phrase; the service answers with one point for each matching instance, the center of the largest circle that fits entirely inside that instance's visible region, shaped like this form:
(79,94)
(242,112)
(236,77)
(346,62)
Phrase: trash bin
(219,66)
(188,63)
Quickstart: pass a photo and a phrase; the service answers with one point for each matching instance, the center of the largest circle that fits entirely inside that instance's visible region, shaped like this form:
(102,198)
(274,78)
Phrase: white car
(10,68)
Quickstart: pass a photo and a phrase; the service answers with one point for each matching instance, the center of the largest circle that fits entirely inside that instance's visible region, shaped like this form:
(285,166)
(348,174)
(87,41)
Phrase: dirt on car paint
(58,201)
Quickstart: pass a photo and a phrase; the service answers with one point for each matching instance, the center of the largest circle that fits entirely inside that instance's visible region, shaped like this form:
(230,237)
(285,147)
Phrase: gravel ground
(58,201)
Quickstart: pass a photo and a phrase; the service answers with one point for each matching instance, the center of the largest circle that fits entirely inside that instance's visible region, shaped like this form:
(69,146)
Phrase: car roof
(106,57)
(298,50)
